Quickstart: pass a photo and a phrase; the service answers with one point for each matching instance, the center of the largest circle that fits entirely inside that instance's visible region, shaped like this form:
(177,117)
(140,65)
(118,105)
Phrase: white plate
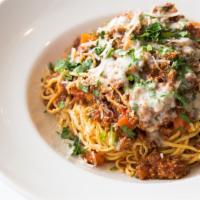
(31,34)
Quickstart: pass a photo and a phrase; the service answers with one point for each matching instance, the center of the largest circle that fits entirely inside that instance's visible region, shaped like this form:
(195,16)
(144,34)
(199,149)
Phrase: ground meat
(103,113)
(155,166)
(76,42)
(124,143)
(166,8)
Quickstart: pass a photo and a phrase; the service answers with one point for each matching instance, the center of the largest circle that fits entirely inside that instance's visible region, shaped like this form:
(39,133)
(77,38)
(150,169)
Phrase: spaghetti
(128,94)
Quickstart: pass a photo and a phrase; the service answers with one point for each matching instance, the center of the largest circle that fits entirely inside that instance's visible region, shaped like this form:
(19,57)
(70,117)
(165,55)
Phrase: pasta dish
(128,94)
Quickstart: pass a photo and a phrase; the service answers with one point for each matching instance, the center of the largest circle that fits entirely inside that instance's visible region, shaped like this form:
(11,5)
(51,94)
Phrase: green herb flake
(96,93)
(60,65)
(102,34)
(183,34)
(99,50)
(181,99)
(112,137)
(149,47)
(151,32)
(135,107)
(84,88)
(61,104)
(51,67)
(134,78)
(83,67)
(113,168)
(110,52)
(184,117)
(66,134)
(128,132)
(98,83)
(68,77)
(77,147)
(103,136)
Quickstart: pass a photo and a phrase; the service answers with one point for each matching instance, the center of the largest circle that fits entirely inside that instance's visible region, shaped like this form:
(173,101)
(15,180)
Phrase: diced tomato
(178,123)
(94,158)
(85,37)
(123,121)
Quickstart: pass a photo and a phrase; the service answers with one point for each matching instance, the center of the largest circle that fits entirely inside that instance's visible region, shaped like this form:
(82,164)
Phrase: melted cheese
(115,23)
(111,70)
(153,102)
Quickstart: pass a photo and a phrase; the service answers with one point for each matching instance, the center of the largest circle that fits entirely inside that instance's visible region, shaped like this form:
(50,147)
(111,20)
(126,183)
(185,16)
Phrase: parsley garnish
(103,136)
(112,137)
(102,34)
(98,83)
(66,134)
(134,78)
(135,107)
(51,67)
(184,117)
(113,168)
(128,132)
(99,50)
(64,64)
(131,53)
(96,93)
(157,32)
(83,67)
(181,66)
(84,88)
(152,32)
(182,100)
(61,104)
(110,52)
(77,147)
(60,65)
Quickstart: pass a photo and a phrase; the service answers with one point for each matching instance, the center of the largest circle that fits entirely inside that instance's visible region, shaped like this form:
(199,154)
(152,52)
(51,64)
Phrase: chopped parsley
(112,137)
(77,147)
(181,99)
(110,52)
(151,32)
(67,134)
(51,67)
(68,77)
(156,32)
(66,64)
(103,136)
(60,65)
(164,50)
(113,168)
(134,78)
(96,93)
(83,67)
(98,83)
(61,104)
(99,50)
(131,53)
(135,107)
(84,88)
(180,65)
(102,34)
(184,117)
(128,132)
